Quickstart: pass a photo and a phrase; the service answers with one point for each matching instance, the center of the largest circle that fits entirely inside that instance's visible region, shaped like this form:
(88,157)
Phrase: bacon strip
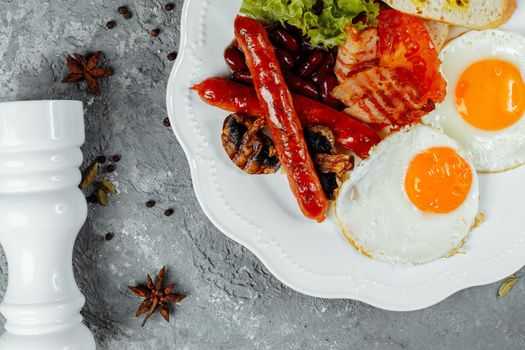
(357,54)
(375,96)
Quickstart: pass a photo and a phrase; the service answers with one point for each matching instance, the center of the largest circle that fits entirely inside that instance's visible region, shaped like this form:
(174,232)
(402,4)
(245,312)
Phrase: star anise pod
(158,298)
(81,68)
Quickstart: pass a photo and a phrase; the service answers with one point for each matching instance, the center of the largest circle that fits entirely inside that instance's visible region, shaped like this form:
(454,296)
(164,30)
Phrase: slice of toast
(475,14)
(438,32)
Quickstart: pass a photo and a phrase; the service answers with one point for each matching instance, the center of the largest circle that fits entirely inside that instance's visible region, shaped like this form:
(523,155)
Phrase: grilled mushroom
(333,163)
(320,139)
(247,146)
(330,166)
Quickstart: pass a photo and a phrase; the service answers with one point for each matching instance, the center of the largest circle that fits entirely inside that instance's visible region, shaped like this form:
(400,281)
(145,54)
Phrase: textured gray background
(234,302)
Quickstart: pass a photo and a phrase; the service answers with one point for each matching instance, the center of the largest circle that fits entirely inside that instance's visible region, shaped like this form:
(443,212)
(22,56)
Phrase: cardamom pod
(507,286)
(102,198)
(108,187)
(89,176)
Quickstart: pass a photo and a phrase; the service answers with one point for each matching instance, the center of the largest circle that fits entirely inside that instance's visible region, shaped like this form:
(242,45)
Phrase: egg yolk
(438,180)
(490,94)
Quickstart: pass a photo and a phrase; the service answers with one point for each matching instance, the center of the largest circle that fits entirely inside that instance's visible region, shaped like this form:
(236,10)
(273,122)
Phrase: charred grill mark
(375,96)
(357,54)
(237,131)
(268,155)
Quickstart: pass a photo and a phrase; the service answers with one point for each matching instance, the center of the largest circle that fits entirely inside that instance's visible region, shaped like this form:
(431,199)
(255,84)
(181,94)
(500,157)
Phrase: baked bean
(303,87)
(327,85)
(286,59)
(234,58)
(311,63)
(284,39)
(242,76)
(296,32)
(326,67)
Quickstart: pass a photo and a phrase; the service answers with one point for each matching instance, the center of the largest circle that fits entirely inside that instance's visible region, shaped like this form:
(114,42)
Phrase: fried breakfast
(366,104)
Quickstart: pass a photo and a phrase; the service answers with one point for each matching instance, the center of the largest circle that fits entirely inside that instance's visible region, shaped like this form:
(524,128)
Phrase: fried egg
(485,104)
(414,200)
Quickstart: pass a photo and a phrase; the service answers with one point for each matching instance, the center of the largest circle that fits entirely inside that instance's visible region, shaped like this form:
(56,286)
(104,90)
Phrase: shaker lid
(40,125)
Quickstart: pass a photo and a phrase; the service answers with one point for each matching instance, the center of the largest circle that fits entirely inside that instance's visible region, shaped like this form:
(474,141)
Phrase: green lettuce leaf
(326,28)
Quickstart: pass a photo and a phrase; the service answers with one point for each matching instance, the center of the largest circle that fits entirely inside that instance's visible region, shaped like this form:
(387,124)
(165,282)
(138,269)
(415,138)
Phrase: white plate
(260,212)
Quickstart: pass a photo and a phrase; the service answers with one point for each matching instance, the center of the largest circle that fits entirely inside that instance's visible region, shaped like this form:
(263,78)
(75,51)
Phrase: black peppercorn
(127,15)
(172,56)
(166,122)
(110,168)
(101,159)
(168,212)
(169,7)
(154,32)
(92,199)
(150,203)
(123,10)
(109,236)
(115,158)
(111,24)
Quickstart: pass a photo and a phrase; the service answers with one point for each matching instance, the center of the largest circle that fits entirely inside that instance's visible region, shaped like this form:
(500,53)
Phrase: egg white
(489,151)
(378,218)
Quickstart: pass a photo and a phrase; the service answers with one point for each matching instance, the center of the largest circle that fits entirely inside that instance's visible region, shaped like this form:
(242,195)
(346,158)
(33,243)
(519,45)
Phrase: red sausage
(233,97)
(281,118)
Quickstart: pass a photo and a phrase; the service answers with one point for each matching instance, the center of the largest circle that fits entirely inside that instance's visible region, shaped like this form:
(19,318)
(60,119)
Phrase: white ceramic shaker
(41,212)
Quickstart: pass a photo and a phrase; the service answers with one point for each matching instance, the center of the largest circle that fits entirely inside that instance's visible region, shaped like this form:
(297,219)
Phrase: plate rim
(259,251)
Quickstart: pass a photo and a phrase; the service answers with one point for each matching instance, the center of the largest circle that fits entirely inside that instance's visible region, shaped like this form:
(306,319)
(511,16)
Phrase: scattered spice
(155,32)
(122,10)
(169,212)
(150,203)
(109,236)
(172,56)
(169,7)
(89,176)
(101,159)
(166,122)
(93,199)
(157,298)
(507,286)
(102,197)
(127,15)
(102,187)
(107,186)
(110,168)
(81,68)
(111,24)
(115,158)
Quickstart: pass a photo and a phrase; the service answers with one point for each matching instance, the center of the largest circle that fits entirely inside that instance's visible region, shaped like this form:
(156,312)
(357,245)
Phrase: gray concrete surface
(234,302)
